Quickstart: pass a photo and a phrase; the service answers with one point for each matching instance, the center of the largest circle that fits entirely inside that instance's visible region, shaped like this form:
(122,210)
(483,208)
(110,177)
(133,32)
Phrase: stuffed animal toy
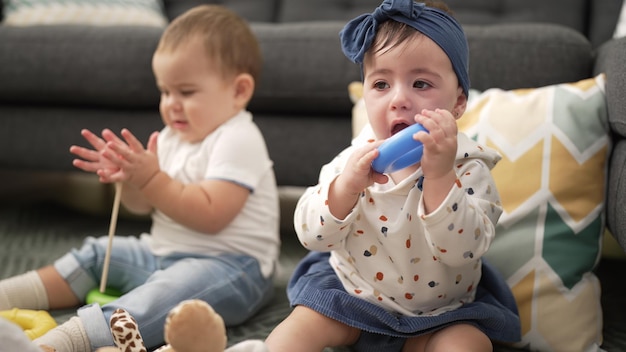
(192,326)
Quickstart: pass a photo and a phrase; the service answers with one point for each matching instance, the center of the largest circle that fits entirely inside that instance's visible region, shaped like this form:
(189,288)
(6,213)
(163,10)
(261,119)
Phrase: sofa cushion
(79,66)
(304,70)
(555,144)
(512,56)
(324,10)
(251,10)
(570,13)
(101,12)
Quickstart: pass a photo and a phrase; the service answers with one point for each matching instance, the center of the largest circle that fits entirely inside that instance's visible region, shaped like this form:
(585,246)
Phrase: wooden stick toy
(112,225)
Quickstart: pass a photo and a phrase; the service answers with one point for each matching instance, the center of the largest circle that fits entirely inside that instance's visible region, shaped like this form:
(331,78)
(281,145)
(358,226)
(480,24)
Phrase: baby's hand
(358,173)
(440,143)
(135,164)
(92,160)
(355,177)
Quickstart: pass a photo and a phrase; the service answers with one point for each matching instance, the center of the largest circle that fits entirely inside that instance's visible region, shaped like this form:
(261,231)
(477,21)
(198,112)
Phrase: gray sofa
(54,81)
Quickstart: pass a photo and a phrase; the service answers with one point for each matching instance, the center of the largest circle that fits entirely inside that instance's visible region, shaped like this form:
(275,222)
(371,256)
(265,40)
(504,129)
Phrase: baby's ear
(244,88)
(461,103)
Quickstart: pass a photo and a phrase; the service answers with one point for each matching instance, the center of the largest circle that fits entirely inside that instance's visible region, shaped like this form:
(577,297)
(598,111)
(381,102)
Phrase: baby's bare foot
(193,326)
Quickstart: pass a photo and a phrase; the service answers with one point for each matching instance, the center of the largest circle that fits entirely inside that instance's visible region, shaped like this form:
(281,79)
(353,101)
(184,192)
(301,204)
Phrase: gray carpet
(33,235)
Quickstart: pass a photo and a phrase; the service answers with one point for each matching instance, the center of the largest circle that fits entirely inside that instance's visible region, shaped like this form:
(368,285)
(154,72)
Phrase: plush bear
(192,326)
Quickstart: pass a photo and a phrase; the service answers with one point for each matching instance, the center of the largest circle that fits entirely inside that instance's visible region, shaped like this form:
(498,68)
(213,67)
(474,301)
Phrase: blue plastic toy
(399,151)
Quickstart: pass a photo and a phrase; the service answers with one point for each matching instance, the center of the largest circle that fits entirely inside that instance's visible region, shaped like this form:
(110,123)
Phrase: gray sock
(67,337)
(24,291)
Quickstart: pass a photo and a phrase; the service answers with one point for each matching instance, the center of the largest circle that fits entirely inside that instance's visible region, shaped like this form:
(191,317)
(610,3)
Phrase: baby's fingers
(132,141)
(84,153)
(111,137)
(116,153)
(365,162)
(108,176)
(95,141)
(84,165)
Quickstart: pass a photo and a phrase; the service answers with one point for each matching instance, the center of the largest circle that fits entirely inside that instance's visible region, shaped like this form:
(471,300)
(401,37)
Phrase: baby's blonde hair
(228,40)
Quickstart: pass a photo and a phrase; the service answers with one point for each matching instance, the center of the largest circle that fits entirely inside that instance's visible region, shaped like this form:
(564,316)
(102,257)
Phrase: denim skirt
(315,285)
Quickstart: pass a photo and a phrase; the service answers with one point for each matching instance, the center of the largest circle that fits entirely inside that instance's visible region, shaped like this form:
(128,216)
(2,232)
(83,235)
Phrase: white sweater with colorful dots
(388,252)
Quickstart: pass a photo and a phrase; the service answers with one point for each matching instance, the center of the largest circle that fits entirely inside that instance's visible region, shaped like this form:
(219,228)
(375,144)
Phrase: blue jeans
(152,285)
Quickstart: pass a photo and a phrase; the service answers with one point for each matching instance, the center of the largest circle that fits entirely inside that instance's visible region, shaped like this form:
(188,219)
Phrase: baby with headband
(395,261)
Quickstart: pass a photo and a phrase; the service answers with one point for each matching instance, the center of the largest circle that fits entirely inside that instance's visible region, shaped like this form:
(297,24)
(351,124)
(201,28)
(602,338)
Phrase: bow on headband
(358,34)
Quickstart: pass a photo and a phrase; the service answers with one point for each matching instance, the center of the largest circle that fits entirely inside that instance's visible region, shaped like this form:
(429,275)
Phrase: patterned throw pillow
(91,12)
(554,144)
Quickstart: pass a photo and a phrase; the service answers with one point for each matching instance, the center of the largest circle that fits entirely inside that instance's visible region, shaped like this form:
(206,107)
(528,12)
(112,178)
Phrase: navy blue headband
(358,34)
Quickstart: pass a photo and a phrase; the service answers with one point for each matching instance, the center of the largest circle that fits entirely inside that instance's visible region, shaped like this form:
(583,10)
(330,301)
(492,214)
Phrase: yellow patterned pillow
(91,12)
(554,144)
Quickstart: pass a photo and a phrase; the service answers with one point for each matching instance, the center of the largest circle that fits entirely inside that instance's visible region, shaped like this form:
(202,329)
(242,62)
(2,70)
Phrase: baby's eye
(380,85)
(186,93)
(420,84)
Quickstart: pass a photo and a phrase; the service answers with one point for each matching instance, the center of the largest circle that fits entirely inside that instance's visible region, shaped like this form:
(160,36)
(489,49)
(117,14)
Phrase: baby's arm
(207,206)
(324,212)
(460,204)
(440,148)
(463,227)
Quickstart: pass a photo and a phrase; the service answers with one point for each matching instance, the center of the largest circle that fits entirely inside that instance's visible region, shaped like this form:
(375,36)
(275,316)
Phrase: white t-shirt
(235,152)
(388,252)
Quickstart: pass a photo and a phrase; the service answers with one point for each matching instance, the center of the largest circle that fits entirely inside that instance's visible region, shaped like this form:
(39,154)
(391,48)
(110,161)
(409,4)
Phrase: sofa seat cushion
(91,12)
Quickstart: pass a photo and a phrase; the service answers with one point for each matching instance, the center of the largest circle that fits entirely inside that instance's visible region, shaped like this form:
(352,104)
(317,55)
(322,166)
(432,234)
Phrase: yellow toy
(34,322)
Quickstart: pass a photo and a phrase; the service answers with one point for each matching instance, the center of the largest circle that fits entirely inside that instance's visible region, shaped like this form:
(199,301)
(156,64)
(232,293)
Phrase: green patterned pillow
(554,144)
(91,12)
